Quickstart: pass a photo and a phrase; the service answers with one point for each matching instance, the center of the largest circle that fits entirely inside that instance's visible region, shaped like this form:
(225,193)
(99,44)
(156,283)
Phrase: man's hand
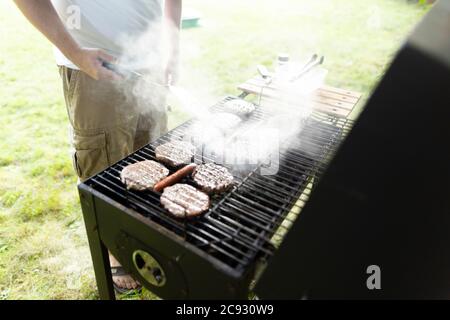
(43,16)
(90,61)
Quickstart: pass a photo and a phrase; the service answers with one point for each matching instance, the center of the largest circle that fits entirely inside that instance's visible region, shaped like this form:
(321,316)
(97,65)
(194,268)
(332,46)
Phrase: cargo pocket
(72,80)
(90,156)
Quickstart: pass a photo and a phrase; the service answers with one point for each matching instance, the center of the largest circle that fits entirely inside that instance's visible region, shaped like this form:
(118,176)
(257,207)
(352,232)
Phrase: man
(106,126)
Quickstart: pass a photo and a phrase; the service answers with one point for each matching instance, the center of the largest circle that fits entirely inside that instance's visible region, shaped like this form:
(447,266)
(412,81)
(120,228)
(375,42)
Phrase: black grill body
(214,256)
(191,273)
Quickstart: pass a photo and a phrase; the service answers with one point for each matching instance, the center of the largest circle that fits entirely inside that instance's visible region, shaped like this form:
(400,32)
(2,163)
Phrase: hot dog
(174,178)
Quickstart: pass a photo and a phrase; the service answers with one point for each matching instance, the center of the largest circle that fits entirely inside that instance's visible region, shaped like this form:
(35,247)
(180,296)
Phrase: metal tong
(313,62)
(126,72)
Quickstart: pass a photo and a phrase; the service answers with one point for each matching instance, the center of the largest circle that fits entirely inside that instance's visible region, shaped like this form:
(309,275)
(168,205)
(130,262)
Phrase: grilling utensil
(264,72)
(310,65)
(314,62)
(127,72)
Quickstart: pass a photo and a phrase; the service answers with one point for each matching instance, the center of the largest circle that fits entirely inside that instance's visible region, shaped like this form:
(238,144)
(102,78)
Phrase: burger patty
(214,127)
(184,201)
(202,133)
(212,178)
(175,153)
(239,107)
(224,121)
(143,175)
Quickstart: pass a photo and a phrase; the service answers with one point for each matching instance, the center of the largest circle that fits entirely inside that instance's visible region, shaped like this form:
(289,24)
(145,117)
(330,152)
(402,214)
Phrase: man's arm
(172,10)
(44,17)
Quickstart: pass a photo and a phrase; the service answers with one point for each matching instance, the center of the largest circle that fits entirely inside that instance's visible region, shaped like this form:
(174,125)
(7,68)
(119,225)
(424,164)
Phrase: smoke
(238,142)
(144,54)
(255,141)
(148,54)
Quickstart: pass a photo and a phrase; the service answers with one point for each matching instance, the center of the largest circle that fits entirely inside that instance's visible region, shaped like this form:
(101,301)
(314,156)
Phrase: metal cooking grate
(241,223)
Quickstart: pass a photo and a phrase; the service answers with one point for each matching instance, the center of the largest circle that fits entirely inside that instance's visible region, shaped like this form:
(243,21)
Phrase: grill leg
(102,268)
(99,252)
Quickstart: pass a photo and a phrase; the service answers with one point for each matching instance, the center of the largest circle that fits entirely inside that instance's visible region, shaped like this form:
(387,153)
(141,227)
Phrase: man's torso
(106,24)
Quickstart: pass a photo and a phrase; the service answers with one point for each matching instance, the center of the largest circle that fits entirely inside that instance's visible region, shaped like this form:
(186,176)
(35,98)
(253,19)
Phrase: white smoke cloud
(240,147)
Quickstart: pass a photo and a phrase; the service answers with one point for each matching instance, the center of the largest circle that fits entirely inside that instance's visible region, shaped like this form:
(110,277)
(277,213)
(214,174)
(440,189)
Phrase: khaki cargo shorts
(107,121)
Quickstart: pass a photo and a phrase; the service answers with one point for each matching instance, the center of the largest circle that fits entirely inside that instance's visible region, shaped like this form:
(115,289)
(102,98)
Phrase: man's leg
(103,129)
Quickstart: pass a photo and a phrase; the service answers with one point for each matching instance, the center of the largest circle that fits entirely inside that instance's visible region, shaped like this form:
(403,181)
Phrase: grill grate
(247,221)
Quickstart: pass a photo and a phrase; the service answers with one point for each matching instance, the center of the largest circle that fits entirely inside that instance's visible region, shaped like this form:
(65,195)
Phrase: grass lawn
(43,248)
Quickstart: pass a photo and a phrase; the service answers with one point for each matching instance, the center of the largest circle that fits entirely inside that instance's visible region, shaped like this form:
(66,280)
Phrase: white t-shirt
(106,24)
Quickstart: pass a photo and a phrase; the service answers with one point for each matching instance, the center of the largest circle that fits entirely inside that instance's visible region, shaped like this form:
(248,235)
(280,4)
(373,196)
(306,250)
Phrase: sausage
(174,178)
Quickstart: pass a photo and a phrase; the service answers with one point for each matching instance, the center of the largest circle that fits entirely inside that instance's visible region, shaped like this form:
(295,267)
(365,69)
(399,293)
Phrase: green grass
(43,248)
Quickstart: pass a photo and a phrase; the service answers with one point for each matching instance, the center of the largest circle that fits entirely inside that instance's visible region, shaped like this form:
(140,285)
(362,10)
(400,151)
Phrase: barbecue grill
(253,234)
(223,248)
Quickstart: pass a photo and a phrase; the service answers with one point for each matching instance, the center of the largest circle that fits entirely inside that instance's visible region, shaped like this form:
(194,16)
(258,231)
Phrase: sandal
(119,272)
